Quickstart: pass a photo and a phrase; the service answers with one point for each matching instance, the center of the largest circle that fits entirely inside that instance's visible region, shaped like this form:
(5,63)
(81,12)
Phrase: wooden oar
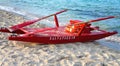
(26,23)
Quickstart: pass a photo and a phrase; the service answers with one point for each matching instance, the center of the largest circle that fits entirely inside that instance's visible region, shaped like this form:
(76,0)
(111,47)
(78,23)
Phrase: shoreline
(13,53)
(18,12)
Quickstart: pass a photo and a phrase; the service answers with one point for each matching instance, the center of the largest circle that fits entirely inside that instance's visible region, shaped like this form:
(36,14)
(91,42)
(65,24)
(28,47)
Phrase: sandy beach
(13,53)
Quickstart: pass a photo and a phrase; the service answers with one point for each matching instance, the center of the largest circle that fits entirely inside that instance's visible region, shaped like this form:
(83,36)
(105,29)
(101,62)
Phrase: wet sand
(13,53)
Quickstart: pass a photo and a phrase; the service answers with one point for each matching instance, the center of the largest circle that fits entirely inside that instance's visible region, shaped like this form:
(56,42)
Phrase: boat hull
(63,39)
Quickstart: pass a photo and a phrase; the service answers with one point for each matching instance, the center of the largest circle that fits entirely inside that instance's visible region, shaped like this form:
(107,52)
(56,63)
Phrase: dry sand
(14,53)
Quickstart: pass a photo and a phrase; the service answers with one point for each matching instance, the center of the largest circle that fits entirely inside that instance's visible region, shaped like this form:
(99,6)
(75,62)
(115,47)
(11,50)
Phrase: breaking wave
(18,11)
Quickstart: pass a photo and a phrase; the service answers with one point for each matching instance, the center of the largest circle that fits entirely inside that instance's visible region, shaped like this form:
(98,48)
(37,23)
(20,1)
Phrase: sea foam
(18,11)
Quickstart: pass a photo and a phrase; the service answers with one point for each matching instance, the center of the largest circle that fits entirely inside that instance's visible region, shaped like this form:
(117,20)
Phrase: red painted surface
(56,20)
(56,36)
(75,31)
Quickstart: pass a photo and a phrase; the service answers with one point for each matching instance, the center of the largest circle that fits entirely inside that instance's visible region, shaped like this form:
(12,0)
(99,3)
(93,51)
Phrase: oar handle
(61,11)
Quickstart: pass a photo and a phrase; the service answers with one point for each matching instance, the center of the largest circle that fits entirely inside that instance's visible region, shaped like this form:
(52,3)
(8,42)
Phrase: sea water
(77,9)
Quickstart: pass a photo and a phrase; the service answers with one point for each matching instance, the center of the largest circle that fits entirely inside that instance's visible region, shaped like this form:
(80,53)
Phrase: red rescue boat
(75,31)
